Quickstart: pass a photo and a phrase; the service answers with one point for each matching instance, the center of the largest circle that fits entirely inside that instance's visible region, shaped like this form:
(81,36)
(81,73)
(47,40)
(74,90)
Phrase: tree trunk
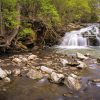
(9,38)
(1,21)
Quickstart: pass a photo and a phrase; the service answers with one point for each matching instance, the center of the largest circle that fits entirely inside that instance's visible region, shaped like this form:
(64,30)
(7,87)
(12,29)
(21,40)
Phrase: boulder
(57,78)
(73,82)
(34,74)
(16,60)
(46,69)
(64,62)
(48,63)
(16,72)
(24,60)
(81,65)
(3,74)
(32,57)
(8,72)
(7,79)
(25,68)
(81,56)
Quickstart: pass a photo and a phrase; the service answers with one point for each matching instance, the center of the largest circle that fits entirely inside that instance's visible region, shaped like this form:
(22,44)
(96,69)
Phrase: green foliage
(10,13)
(10,18)
(76,9)
(28,7)
(51,12)
(95,10)
(9,4)
(48,12)
(27,32)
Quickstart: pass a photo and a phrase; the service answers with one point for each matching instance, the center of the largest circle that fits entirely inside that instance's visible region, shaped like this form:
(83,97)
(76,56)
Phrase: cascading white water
(89,36)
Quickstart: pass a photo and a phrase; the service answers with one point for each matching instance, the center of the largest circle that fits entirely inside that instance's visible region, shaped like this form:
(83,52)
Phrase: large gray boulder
(73,82)
(56,77)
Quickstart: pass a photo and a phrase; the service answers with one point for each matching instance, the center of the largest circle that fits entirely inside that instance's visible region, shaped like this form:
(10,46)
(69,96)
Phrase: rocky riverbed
(43,75)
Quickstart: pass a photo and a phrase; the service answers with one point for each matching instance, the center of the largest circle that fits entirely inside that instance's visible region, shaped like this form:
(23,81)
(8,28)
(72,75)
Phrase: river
(23,88)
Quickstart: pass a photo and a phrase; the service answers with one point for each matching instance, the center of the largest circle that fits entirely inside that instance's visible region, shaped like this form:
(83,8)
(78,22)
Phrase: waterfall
(85,37)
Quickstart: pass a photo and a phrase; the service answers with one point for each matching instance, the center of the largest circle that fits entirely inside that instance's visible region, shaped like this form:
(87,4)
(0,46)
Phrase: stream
(35,87)
(23,88)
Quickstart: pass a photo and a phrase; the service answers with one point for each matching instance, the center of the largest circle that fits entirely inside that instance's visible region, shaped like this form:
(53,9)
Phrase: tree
(11,20)
(95,10)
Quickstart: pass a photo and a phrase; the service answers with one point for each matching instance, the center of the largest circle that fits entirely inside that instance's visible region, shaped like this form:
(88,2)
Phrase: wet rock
(73,63)
(34,74)
(87,54)
(32,57)
(73,82)
(95,80)
(24,60)
(73,68)
(68,94)
(64,62)
(81,56)
(4,89)
(57,78)
(7,79)
(0,60)
(25,68)
(94,61)
(35,48)
(98,60)
(8,72)
(16,72)
(44,80)
(48,63)
(3,74)
(81,65)
(16,60)
(46,69)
